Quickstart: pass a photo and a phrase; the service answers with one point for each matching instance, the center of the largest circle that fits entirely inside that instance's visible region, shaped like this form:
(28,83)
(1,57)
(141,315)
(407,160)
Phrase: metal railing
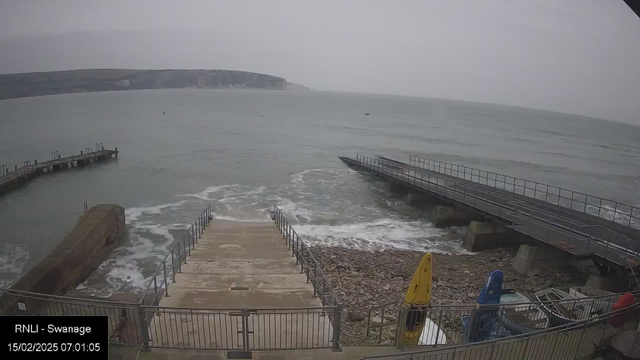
(611,210)
(571,341)
(159,283)
(570,236)
(311,268)
(241,329)
(304,257)
(458,324)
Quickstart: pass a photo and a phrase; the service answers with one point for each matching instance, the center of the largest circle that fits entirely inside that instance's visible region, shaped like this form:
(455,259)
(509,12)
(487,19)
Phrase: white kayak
(431,333)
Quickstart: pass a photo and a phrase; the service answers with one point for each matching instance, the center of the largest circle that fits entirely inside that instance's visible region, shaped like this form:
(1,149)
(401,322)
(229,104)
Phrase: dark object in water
(163,113)
(366,114)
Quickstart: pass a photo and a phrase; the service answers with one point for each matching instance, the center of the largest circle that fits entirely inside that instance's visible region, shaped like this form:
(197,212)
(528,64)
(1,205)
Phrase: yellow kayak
(417,299)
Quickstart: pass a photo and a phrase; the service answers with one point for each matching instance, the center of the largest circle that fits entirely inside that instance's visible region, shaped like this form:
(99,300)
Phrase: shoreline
(362,278)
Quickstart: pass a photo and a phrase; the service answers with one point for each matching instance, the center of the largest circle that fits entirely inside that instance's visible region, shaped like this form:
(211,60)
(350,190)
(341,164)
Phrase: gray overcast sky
(576,56)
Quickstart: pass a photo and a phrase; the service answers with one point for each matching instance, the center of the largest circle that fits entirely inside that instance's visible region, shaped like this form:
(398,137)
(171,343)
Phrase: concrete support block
(611,283)
(416,199)
(397,188)
(530,257)
(485,235)
(445,216)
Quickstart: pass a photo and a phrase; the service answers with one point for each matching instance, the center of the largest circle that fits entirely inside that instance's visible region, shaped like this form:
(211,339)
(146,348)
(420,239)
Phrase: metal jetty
(583,225)
(11,180)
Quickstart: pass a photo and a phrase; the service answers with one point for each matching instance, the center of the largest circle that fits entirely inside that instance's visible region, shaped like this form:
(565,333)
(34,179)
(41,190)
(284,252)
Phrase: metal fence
(135,324)
(571,341)
(242,329)
(172,263)
(611,210)
(459,324)
(566,234)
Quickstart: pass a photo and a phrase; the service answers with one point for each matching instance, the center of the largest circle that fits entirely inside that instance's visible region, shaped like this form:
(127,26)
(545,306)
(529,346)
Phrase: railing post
(155,285)
(293,244)
(166,284)
(179,258)
(337,328)
(297,250)
(173,269)
(143,328)
(184,248)
(314,280)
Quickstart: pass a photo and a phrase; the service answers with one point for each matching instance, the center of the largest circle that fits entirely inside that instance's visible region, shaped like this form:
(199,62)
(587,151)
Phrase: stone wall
(78,254)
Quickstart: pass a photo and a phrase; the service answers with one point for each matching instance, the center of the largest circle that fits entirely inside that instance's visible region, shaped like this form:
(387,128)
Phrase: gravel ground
(363,278)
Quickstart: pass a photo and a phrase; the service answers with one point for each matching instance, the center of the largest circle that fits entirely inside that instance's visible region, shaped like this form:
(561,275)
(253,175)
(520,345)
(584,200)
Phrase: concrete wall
(78,254)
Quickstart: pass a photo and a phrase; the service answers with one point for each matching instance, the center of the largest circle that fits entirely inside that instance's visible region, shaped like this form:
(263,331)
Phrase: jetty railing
(172,263)
(570,236)
(615,211)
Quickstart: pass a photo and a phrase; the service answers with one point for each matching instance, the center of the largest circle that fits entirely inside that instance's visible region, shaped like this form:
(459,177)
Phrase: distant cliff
(89,80)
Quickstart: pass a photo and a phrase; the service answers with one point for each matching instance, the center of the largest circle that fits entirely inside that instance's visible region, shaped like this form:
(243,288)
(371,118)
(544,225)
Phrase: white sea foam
(383,234)
(13,257)
(204,195)
(134,213)
(124,268)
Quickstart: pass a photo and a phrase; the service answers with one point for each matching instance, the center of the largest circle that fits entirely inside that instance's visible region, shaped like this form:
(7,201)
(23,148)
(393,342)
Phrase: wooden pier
(11,180)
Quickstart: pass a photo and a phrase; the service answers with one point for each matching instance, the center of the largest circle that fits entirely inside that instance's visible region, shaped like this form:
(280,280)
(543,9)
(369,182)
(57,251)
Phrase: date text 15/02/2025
(38,347)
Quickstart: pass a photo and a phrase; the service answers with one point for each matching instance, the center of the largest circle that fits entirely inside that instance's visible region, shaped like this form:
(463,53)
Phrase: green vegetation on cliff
(89,80)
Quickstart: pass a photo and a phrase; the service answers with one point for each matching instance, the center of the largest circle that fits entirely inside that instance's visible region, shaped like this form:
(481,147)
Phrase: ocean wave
(133,214)
(13,258)
(384,234)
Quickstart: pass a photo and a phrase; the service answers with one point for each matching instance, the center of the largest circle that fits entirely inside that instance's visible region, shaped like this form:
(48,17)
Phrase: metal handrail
(582,324)
(635,293)
(468,195)
(321,286)
(457,170)
(179,252)
(68,299)
(298,249)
